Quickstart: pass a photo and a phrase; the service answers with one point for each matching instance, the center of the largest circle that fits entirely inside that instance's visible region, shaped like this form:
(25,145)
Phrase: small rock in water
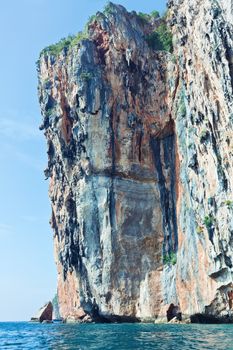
(87,319)
(44,314)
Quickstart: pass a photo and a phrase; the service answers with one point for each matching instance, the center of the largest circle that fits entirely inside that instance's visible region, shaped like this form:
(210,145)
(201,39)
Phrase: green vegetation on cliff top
(159,39)
(68,42)
(147,17)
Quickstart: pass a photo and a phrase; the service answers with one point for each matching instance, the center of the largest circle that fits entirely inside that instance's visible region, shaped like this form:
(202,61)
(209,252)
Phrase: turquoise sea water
(24,335)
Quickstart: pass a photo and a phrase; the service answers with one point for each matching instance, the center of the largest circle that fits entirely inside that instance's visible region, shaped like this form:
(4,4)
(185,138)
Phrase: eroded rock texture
(203,34)
(140,165)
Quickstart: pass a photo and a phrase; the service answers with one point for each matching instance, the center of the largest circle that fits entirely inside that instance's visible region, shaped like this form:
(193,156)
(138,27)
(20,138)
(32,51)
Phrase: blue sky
(27,269)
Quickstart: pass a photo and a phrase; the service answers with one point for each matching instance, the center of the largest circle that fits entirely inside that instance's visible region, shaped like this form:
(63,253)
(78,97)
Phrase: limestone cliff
(140,162)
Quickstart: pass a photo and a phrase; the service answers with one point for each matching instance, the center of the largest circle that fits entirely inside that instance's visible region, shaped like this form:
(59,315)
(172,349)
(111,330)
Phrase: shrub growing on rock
(161,39)
(64,43)
(208,221)
(170,258)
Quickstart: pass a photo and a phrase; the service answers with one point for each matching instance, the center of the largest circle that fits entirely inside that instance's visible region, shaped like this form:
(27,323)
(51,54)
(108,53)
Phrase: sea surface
(22,335)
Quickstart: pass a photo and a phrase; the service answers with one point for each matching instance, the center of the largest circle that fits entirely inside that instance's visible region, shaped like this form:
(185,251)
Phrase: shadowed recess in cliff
(164,160)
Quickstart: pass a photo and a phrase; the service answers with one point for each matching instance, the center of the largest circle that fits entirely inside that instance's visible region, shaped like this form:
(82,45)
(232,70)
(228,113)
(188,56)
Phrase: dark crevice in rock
(111,193)
(221,174)
(229,57)
(219,273)
(167,195)
(140,146)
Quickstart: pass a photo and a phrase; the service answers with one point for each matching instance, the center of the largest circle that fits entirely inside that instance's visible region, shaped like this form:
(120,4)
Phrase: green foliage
(143,16)
(155,14)
(91,19)
(173,258)
(55,49)
(146,17)
(49,112)
(191,145)
(170,258)
(86,76)
(183,109)
(64,43)
(79,37)
(191,130)
(229,204)
(160,39)
(208,221)
(108,9)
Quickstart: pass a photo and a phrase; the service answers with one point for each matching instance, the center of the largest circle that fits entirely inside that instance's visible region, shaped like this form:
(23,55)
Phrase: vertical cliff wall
(203,47)
(140,162)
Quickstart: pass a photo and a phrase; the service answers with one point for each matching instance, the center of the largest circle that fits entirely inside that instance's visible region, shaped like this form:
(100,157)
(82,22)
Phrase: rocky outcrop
(140,163)
(44,315)
(56,312)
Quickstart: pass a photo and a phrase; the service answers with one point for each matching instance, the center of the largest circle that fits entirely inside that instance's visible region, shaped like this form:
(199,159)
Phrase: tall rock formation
(140,162)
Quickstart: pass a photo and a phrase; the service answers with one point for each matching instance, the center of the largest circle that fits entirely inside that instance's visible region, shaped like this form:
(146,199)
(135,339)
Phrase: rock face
(56,311)
(204,132)
(44,314)
(140,164)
